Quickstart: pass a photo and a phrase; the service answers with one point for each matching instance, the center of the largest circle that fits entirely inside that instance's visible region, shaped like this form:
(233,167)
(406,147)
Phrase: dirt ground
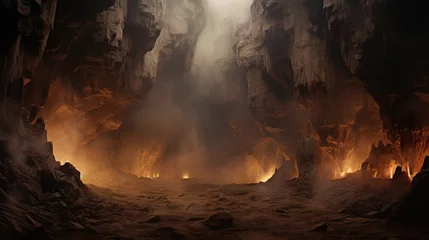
(159,209)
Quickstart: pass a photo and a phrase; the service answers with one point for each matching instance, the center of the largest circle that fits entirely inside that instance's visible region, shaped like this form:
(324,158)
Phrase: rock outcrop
(91,72)
(35,190)
(414,208)
(33,185)
(337,58)
(158,122)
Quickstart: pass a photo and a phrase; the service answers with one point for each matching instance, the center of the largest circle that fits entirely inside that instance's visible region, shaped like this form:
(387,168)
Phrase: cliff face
(92,70)
(355,68)
(383,44)
(26,25)
(29,173)
(152,126)
(343,59)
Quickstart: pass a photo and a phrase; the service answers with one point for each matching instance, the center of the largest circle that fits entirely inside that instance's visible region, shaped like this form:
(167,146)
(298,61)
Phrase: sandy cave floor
(157,209)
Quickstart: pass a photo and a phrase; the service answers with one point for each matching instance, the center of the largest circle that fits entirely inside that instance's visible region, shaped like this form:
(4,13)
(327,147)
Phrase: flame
(152,175)
(267,175)
(344,174)
(257,172)
(185,175)
(392,171)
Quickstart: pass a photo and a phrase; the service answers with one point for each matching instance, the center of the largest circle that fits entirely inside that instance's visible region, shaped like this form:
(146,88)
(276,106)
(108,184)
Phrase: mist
(196,121)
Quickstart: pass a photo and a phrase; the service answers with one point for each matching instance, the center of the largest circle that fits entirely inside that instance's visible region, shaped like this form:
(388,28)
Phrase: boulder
(286,172)
(219,221)
(414,207)
(400,177)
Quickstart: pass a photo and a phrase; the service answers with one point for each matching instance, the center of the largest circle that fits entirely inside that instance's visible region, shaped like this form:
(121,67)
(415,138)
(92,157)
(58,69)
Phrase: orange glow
(267,175)
(152,175)
(343,174)
(78,165)
(185,175)
(257,172)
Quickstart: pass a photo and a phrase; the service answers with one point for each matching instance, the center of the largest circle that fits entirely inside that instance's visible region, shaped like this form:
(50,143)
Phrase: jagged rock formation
(92,71)
(33,185)
(338,58)
(287,53)
(26,25)
(382,161)
(382,43)
(413,208)
(29,173)
(164,68)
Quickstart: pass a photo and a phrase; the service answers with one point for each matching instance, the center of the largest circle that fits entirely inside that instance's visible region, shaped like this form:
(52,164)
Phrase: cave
(214,119)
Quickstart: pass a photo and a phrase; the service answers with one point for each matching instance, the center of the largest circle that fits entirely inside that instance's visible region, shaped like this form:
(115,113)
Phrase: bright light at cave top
(231,8)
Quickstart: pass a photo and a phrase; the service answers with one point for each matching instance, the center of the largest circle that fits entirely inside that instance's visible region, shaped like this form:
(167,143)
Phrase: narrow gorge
(214,119)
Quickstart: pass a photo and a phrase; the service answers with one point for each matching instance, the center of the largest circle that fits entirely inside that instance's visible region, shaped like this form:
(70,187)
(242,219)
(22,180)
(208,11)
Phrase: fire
(343,174)
(405,168)
(267,175)
(185,175)
(152,175)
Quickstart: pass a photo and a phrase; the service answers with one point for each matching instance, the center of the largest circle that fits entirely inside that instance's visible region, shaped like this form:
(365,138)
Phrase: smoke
(216,41)
(195,121)
(215,44)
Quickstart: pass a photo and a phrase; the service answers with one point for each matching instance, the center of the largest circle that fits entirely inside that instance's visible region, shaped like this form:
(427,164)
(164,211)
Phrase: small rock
(154,219)
(77,226)
(56,195)
(400,177)
(117,227)
(93,221)
(280,211)
(323,227)
(197,228)
(373,214)
(219,221)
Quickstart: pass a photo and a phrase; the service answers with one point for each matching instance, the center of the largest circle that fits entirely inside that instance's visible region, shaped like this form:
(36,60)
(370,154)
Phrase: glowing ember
(185,175)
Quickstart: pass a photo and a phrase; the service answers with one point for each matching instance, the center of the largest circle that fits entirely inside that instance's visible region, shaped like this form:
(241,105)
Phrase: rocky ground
(129,208)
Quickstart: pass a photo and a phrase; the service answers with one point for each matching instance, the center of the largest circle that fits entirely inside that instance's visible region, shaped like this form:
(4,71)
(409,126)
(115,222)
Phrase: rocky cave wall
(347,70)
(29,172)
(350,64)
(335,73)
(92,70)
(157,123)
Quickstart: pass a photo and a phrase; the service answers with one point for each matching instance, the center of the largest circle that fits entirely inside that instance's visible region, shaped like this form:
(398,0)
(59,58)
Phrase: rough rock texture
(33,186)
(219,221)
(26,26)
(36,192)
(413,208)
(383,44)
(92,71)
(174,49)
(158,123)
(338,57)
